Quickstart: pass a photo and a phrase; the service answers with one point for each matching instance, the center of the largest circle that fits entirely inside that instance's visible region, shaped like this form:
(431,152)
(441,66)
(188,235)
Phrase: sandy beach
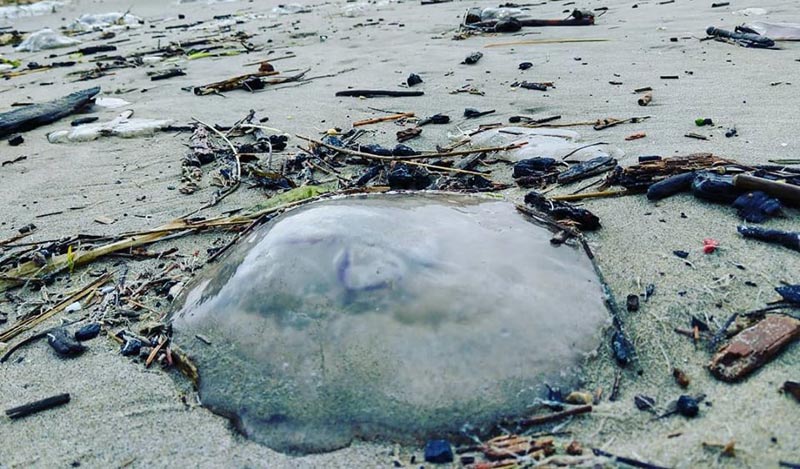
(123,414)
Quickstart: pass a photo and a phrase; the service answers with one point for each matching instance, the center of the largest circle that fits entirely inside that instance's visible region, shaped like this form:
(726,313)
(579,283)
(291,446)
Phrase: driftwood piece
(753,347)
(641,176)
(37,115)
(378,93)
(513,446)
(230,84)
(38,406)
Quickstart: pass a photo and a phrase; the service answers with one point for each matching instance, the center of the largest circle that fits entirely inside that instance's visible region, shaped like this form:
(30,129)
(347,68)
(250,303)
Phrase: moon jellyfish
(397,316)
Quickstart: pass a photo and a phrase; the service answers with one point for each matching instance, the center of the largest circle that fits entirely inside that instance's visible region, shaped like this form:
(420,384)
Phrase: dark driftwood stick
(38,406)
(542,419)
(624,460)
(30,117)
(376,93)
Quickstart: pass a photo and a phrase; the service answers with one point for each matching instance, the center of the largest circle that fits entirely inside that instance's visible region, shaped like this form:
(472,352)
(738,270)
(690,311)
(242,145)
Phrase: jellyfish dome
(396,316)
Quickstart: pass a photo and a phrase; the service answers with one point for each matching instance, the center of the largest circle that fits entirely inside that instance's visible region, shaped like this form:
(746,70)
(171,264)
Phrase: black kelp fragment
(404,177)
(64,344)
(786,238)
(714,187)
(585,219)
(671,186)
(587,169)
(790,293)
(757,207)
(533,167)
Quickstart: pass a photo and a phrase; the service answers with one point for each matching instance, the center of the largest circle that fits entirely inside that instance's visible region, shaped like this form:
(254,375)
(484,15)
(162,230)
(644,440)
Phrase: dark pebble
(88,332)
(473,58)
(525,65)
(413,79)
(622,348)
(63,344)
(438,451)
(632,303)
(15,140)
(681,254)
(644,402)
(688,406)
(131,347)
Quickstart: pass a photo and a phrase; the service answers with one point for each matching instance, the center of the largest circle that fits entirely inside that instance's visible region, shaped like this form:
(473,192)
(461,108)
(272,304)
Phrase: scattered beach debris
(285,172)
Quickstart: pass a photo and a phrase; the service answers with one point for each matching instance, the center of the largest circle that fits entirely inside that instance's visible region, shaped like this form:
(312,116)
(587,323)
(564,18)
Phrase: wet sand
(124,414)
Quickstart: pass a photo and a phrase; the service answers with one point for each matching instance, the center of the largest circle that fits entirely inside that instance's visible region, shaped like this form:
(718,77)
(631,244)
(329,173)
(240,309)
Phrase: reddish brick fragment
(753,347)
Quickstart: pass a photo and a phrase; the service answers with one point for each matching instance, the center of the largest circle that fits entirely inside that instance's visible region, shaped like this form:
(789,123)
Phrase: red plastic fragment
(710,245)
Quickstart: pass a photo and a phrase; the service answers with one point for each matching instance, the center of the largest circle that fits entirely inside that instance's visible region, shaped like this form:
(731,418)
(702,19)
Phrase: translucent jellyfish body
(399,317)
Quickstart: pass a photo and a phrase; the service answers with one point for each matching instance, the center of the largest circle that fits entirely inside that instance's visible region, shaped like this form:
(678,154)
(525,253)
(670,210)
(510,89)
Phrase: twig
(18,345)
(38,406)
(590,195)
(16,237)
(154,352)
(555,416)
(624,460)
(376,120)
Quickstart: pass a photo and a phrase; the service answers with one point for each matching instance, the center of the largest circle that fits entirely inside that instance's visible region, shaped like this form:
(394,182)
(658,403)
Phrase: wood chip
(753,347)
(512,446)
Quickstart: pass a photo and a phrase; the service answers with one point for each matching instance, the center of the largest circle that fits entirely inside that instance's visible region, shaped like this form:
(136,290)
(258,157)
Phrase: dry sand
(123,414)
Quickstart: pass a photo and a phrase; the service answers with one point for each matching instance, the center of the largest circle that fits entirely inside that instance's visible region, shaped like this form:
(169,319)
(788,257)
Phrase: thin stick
(38,406)
(541,41)
(590,195)
(624,460)
(18,345)
(555,416)
(376,120)
(154,352)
